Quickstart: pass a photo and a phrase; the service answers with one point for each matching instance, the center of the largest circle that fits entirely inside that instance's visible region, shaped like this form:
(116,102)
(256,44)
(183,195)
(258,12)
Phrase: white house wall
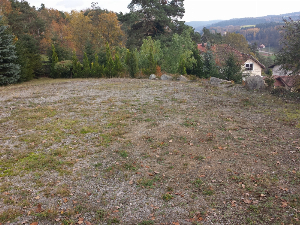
(256,68)
(279,72)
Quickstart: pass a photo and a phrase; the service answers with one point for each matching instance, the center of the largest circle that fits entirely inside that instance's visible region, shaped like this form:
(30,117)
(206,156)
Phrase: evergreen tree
(132,63)
(54,60)
(76,68)
(210,67)
(110,66)
(9,69)
(232,69)
(86,66)
(155,18)
(97,69)
(118,65)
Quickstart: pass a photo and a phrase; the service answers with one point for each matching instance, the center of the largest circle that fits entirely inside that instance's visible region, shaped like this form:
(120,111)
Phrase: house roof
(225,49)
(285,81)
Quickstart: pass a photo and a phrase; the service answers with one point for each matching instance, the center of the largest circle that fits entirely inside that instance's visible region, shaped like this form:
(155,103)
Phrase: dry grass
(122,151)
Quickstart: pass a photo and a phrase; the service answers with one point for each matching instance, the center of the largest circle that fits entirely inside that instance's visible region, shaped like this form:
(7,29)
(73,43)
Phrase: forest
(96,42)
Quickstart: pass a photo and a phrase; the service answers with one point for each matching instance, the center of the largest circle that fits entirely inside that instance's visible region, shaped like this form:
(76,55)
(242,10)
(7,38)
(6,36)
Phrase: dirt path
(123,151)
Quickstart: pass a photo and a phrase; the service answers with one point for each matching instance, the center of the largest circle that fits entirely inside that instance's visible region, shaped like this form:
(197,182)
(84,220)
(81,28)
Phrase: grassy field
(124,151)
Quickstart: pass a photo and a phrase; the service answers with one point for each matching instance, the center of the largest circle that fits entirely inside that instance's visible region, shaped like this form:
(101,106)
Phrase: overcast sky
(195,10)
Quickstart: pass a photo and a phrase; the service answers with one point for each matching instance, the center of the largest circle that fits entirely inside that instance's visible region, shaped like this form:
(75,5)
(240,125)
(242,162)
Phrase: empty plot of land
(125,151)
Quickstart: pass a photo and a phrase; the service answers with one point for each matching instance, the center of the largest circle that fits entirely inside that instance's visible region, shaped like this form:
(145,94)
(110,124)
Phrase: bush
(63,69)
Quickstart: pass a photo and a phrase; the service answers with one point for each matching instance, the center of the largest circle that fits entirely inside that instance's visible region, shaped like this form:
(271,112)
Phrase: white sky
(195,10)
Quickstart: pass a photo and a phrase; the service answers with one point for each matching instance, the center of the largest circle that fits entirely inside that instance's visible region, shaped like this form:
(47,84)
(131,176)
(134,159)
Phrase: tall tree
(9,69)
(289,55)
(155,18)
(237,41)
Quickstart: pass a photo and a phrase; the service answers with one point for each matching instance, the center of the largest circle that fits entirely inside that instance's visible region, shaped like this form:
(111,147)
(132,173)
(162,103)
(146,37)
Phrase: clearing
(133,151)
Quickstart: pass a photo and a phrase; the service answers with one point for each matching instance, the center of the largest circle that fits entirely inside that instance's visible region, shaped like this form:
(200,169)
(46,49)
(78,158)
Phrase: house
(278,71)
(288,82)
(262,46)
(284,78)
(250,65)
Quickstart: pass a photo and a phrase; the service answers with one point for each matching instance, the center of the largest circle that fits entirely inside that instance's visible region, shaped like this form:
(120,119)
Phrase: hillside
(198,25)
(246,21)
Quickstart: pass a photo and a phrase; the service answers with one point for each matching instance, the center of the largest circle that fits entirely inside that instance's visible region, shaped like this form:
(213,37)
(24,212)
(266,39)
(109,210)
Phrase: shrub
(63,69)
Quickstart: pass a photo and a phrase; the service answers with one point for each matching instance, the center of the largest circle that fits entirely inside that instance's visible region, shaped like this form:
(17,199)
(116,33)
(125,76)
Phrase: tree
(289,55)
(180,49)
(149,55)
(237,41)
(109,29)
(81,28)
(9,69)
(132,63)
(209,65)
(54,60)
(155,18)
(86,66)
(110,65)
(232,69)
(76,66)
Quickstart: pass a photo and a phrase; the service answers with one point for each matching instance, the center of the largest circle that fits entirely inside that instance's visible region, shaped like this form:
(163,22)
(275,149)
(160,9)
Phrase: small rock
(166,77)
(152,77)
(254,83)
(183,78)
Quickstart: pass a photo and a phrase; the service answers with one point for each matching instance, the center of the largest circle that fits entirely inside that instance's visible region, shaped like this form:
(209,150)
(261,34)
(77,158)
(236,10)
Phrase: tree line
(100,43)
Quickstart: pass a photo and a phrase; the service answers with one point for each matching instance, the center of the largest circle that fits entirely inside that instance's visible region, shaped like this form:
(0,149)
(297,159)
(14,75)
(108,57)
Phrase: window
(249,66)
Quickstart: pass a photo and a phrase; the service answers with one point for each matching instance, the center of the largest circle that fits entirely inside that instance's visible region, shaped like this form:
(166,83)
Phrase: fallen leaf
(87,223)
(131,182)
(38,208)
(57,219)
(171,141)
(65,200)
(233,203)
(284,204)
(37,197)
(80,219)
(176,223)
(247,201)
(262,195)
(220,147)
(80,222)
(255,202)
(243,185)
(34,223)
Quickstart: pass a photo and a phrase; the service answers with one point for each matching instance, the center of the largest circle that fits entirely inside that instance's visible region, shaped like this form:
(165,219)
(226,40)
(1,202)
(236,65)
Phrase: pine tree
(76,68)
(9,70)
(54,60)
(86,66)
(97,69)
(132,63)
(110,65)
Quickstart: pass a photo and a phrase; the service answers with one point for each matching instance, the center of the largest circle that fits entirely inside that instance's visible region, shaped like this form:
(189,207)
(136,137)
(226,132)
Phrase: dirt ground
(137,151)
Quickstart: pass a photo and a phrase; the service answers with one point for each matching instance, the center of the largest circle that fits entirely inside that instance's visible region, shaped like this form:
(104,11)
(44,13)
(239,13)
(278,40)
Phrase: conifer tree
(110,66)
(97,69)
(76,68)
(86,66)
(132,63)
(9,70)
(54,60)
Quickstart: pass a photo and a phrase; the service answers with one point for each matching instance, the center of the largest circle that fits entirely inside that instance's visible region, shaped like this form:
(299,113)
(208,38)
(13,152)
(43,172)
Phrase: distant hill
(198,25)
(255,20)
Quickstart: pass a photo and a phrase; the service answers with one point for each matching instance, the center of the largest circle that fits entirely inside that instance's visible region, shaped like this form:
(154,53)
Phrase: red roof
(222,50)
(285,81)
